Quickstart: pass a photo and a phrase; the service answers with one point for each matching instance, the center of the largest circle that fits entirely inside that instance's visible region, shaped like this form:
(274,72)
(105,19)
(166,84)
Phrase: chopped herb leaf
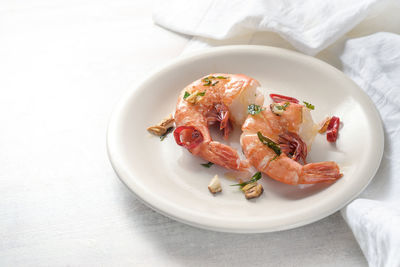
(207,80)
(268,142)
(285,105)
(309,105)
(274,158)
(254,109)
(169,130)
(197,94)
(253,179)
(207,165)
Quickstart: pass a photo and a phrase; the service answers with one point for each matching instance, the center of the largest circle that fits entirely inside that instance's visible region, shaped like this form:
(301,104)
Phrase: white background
(63,66)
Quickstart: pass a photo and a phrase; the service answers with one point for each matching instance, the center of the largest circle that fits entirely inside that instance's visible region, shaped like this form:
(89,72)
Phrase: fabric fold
(375,225)
(373,62)
(310,26)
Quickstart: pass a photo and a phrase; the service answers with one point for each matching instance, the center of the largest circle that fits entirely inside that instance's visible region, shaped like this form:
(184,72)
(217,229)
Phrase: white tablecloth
(63,65)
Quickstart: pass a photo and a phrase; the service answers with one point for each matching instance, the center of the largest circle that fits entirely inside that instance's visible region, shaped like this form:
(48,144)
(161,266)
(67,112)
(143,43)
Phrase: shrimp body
(293,131)
(220,99)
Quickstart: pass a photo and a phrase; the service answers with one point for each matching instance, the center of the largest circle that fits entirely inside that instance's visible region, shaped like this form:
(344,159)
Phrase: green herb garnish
(274,158)
(268,142)
(207,80)
(198,94)
(282,107)
(254,109)
(207,165)
(253,179)
(309,105)
(169,130)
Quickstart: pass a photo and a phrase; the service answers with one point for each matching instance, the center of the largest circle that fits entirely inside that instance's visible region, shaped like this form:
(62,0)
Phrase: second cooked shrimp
(220,99)
(276,141)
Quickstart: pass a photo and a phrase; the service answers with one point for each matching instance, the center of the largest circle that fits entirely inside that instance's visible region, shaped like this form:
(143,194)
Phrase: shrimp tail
(327,171)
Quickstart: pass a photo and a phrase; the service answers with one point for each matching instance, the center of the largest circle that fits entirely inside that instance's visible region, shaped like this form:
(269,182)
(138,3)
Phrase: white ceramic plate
(171,180)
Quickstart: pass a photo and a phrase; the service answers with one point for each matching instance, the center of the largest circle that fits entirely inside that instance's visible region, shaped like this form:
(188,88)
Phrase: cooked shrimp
(276,144)
(220,99)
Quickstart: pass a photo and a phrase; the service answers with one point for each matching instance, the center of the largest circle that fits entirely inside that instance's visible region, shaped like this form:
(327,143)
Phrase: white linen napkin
(373,62)
(375,225)
(309,25)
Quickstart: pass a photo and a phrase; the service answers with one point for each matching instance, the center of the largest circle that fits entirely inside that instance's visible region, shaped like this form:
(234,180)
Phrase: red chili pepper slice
(188,136)
(292,145)
(333,129)
(282,98)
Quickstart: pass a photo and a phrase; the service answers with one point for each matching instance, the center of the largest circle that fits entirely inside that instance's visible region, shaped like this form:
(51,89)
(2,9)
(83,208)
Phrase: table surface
(64,65)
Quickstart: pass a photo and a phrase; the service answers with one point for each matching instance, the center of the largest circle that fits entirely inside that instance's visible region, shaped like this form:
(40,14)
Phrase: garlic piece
(160,128)
(252,190)
(215,186)
(324,125)
(157,130)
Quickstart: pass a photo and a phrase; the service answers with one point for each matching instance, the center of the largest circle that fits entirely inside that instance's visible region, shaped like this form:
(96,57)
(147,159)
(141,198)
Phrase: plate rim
(153,204)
